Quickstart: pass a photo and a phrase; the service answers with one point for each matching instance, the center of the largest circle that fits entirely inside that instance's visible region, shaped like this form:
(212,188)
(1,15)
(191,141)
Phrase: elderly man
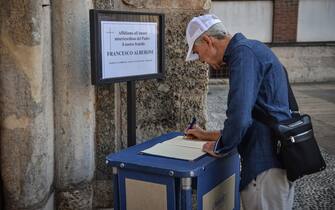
(255,77)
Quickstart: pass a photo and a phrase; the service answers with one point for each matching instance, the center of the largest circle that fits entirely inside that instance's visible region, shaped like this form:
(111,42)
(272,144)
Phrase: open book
(178,148)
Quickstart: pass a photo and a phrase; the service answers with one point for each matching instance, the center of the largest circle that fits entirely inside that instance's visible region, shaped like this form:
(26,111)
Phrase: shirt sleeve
(244,83)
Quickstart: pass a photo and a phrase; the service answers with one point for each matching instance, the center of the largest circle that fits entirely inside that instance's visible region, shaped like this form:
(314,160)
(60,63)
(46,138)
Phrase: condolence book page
(179,148)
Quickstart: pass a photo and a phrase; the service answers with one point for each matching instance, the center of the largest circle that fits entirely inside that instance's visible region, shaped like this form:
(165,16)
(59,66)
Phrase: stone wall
(308,63)
(162,105)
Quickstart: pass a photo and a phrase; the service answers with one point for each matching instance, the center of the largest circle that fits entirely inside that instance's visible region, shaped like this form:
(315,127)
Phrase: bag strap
(263,116)
(294,108)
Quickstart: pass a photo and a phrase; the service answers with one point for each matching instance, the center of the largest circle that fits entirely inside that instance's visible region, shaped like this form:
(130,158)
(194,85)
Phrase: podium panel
(221,197)
(145,195)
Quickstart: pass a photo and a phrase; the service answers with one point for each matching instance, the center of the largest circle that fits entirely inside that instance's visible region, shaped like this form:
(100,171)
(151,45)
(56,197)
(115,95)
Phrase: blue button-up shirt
(255,77)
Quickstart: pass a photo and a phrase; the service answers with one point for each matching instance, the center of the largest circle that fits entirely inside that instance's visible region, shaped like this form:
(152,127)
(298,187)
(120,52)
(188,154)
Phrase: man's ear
(207,39)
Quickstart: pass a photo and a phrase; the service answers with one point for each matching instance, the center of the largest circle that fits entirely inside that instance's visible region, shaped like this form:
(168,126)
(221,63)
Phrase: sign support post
(131,113)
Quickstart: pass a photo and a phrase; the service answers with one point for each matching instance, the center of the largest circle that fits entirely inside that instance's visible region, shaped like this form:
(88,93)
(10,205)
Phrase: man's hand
(198,133)
(195,133)
(209,147)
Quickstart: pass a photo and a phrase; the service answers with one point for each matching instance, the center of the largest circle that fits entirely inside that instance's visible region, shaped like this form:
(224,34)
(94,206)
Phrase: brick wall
(285,18)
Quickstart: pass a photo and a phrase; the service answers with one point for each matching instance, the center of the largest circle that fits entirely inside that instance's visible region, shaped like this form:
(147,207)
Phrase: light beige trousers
(270,191)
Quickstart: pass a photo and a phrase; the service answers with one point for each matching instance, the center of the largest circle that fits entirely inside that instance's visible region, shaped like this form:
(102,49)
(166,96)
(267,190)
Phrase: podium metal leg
(116,189)
(186,194)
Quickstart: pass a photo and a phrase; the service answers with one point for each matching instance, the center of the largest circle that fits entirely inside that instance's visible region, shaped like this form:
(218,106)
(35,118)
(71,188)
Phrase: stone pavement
(315,191)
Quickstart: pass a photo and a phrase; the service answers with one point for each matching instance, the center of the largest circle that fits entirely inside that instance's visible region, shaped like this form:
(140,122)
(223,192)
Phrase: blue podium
(145,182)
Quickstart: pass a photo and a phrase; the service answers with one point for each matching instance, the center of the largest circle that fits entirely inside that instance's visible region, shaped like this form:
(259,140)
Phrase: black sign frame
(96,16)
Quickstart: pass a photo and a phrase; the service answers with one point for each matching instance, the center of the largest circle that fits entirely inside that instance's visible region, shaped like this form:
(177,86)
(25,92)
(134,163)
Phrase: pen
(194,120)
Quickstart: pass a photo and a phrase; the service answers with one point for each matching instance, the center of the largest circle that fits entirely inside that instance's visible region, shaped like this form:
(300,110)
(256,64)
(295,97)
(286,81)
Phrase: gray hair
(217,30)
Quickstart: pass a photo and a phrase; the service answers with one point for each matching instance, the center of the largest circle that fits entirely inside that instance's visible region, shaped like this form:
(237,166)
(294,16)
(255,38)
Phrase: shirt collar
(232,44)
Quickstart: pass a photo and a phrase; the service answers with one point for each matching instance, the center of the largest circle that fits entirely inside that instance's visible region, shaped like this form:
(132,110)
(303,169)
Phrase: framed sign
(126,46)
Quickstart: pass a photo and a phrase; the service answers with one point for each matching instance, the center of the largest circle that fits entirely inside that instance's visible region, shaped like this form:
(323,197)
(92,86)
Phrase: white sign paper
(128,48)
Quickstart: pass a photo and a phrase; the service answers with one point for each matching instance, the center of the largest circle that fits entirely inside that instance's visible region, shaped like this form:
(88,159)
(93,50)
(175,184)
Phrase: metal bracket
(186,183)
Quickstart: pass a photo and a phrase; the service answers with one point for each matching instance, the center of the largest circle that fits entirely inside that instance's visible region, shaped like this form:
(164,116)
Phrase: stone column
(74,104)
(26,105)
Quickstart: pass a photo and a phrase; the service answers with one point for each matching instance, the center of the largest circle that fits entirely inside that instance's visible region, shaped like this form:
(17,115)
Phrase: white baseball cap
(195,28)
